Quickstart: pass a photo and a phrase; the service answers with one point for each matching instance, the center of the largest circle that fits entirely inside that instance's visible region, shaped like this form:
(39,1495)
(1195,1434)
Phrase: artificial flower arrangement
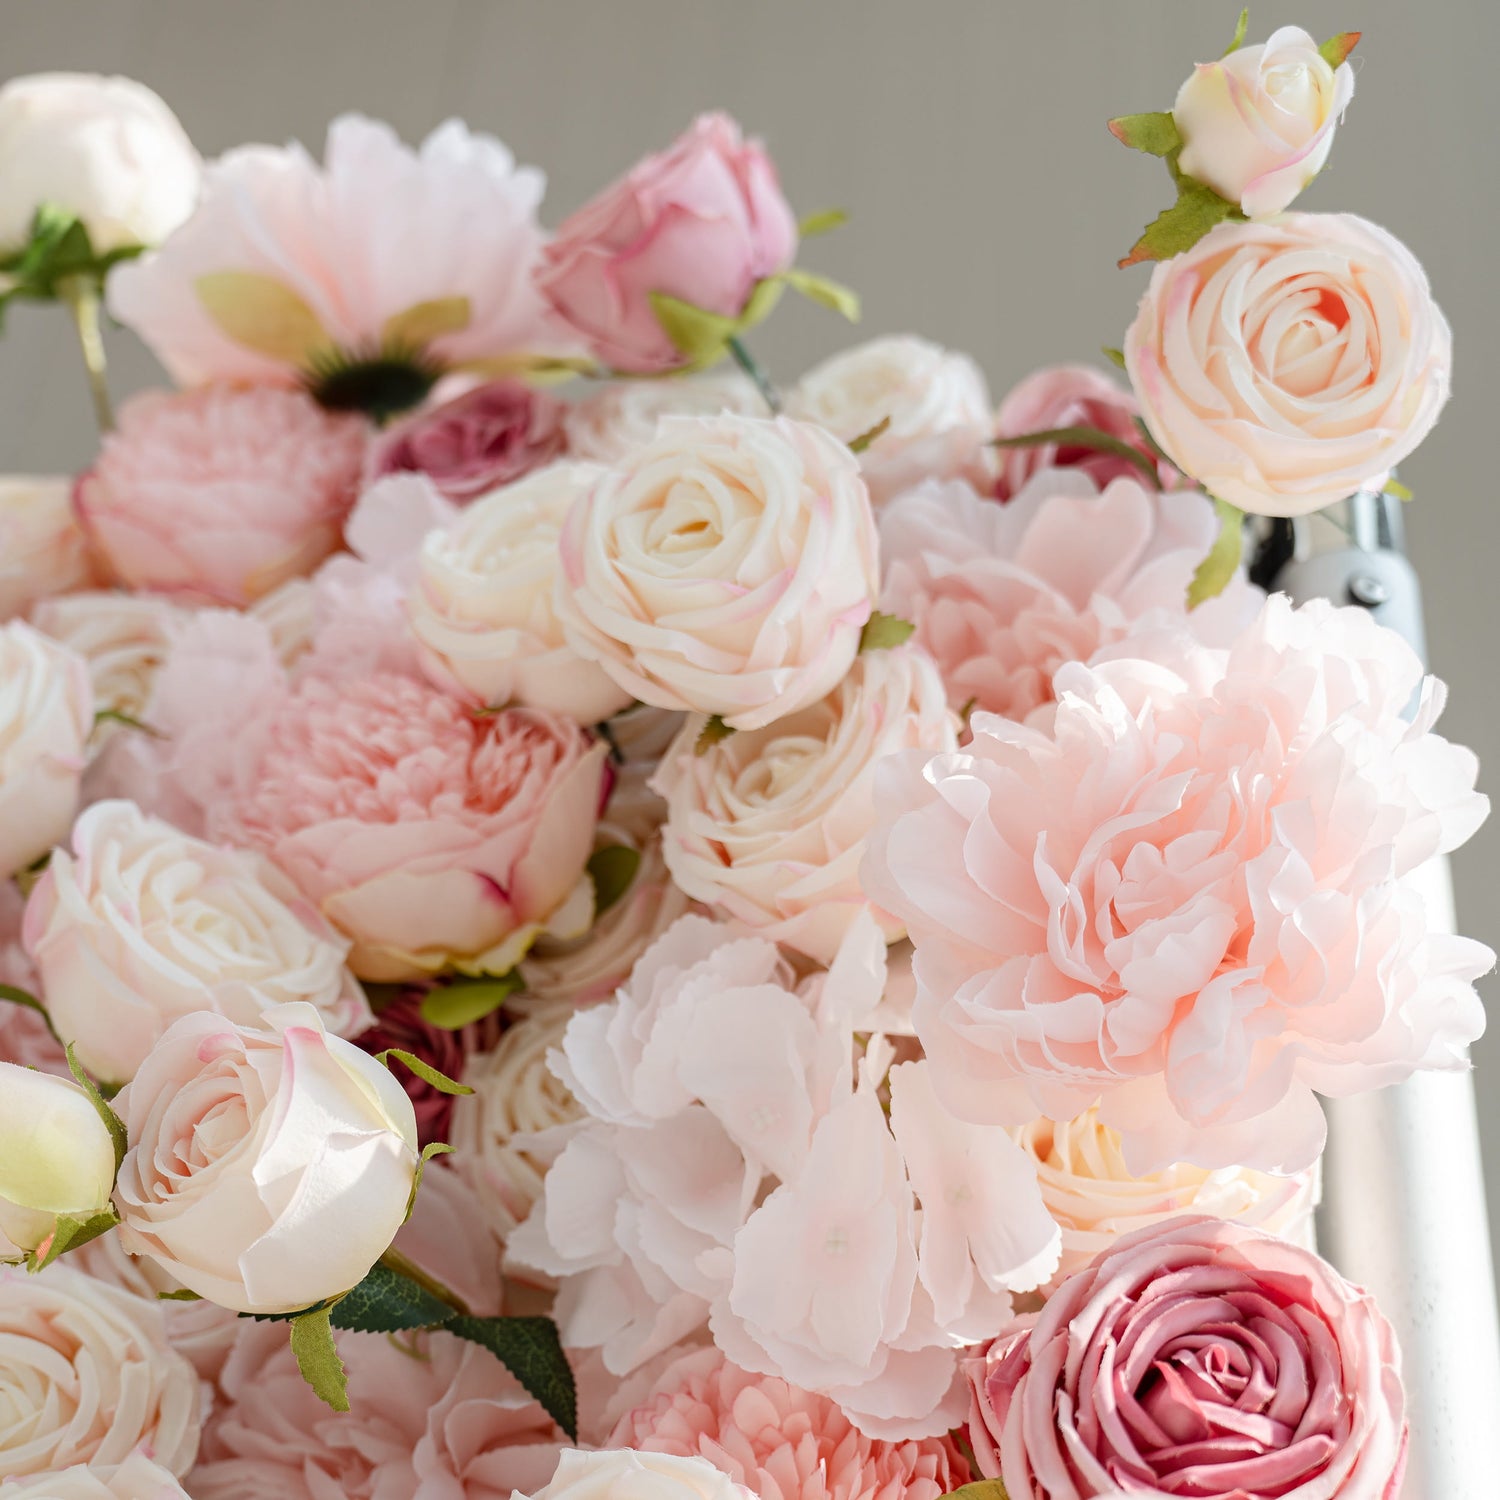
(665,939)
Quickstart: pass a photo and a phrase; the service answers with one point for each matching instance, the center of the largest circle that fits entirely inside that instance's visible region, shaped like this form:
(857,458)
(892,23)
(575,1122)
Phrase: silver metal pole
(1404,1203)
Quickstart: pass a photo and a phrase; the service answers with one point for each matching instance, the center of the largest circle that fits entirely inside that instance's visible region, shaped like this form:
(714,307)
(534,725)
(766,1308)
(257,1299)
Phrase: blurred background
(966,138)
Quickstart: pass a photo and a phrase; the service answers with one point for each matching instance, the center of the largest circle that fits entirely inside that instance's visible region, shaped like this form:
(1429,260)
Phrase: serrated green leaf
(388,1302)
(9,992)
(862,442)
(1155,132)
(698,335)
(1084,437)
(1336,49)
(112,1122)
(531,1350)
(424,1070)
(824,291)
(821,223)
(1116,357)
(1197,209)
(981,1489)
(318,1358)
(714,731)
(882,632)
(1215,571)
(454,1006)
(71,1231)
(612,868)
(1240,28)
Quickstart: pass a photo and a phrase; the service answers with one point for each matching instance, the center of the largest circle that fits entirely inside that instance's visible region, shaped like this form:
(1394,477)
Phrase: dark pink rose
(702,221)
(488,437)
(1198,1358)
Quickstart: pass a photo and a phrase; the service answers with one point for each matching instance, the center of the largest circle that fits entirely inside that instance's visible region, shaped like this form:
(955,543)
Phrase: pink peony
(1070,396)
(702,222)
(487,437)
(219,495)
(1200,1358)
(1184,898)
(780,1442)
(1002,596)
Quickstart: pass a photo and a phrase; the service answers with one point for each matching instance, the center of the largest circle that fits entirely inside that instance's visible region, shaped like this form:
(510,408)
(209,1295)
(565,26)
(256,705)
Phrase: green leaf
(1197,209)
(318,1358)
(863,441)
(22,997)
(1155,133)
(531,1350)
(1215,571)
(1337,48)
(713,732)
(981,1489)
(1399,491)
(71,1231)
(1240,28)
(456,1005)
(112,1122)
(824,291)
(764,296)
(1085,437)
(1116,357)
(424,1070)
(431,1149)
(118,716)
(881,632)
(821,223)
(387,1302)
(697,334)
(612,868)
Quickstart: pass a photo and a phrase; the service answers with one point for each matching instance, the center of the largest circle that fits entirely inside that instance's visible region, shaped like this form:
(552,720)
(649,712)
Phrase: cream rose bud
(140,924)
(43,550)
(106,149)
(770,825)
(135,1479)
(726,567)
(56,1157)
(1257,125)
(46,715)
(625,1474)
(482,610)
(270,1166)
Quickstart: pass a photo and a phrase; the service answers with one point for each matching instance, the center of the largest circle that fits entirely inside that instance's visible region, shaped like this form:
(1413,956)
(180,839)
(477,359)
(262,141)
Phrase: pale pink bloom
(1182,897)
(703,222)
(779,1441)
(612,1474)
(424,256)
(24,1037)
(447,1238)
(1004,595)
(43,551)
(218,495)
(619,416)
(135,1479)
(1199,1358)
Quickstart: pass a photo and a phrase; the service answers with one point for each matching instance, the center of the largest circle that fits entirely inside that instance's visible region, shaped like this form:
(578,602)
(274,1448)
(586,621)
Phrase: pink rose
(218,495)
(1285,365)
(702,221)
(1200,1358)
(488,437)
(43,550)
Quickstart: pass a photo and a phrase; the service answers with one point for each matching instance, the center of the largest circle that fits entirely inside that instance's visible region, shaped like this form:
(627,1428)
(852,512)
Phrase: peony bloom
(780,1442)
(1184,898)
(703,222)
(1095,1198)
(490,436)
(218,495)
(138,924)
(1002,596)
(653,1476)
(105,149)
(1200,1358)
(1288,364)
(88,1377)
(482,606)
(135,1479)
(936,402)
(616,418)
(43,551)
(365,277)
(429,836)
(769,825)
(728,567)
(269,1167)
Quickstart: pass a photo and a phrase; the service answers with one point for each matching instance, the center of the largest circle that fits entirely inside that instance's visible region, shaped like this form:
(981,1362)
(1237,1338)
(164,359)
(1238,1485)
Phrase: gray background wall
(965,136)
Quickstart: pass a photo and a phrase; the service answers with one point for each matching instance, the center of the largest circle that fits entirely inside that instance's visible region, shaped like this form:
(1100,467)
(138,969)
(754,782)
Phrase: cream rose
(43,550)
(269,1167)
(620,417)
(141,924)
(728,567)
(482,610)
(770,825)
(46,715)
(936,402)
(1286,365)
(135,1479)
(624,1474)
(88,1377)
(1257,125)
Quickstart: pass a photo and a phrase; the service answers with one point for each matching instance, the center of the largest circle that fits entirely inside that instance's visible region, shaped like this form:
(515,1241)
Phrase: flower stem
(746,361)
(394,1260)
(82,296)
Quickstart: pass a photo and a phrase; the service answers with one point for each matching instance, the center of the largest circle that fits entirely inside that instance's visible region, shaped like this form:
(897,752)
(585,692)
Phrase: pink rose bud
(702,222)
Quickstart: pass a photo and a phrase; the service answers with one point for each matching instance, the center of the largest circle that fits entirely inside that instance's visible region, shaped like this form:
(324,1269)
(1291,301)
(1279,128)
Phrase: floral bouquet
(581,926)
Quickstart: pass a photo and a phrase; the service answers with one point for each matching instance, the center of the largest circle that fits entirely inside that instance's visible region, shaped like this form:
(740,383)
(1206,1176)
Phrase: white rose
(1257,125)
(88,1378)
(46,715)
(619,418)
(481,609)
(106,149)
(936,401)
(728,567)
(138,1478)
(56,1157)
(770,825)
(43,550)
(270,1167)
(141,924)
(625,1474)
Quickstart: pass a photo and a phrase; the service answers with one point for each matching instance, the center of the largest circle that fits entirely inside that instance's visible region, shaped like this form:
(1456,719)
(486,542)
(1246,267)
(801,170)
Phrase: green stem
(81,294)
(746,361)
(394,1260)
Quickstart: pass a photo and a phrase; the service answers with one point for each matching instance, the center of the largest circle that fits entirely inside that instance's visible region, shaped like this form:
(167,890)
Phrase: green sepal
(318,1358)
(454,1006)
(57,251)
(431,1149)
(1337,48)
(119,716)
(981,1489)
(824,291)
(869,435)
(1116,357)
(9,992)
(821,223)
(424,1070)
(1155,132)
(1214,572)
(182,1294)
(1241,26)
(713,732)
(1085,437)
(112,1122)
(1397,490)
(882,632)
(698,335)
(385,1301)
(532,1351)
(69,1232)
(1197,210)
(612,868)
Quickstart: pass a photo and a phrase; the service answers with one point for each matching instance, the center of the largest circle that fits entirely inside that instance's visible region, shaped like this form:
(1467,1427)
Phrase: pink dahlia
(780,1442)
(218,495)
